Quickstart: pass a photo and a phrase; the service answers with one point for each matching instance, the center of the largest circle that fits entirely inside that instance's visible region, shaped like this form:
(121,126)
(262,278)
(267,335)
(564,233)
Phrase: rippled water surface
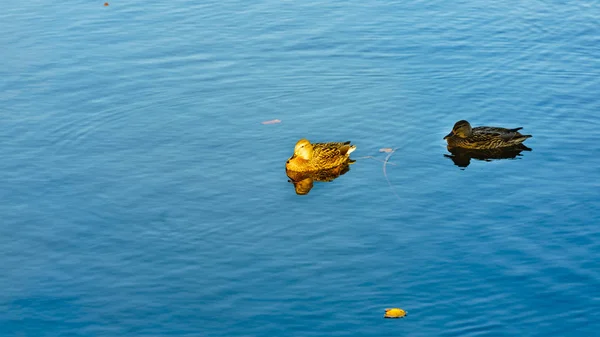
(140,195)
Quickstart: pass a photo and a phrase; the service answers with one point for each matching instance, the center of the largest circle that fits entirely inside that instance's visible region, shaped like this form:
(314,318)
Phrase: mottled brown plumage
(318,156)
(483,137)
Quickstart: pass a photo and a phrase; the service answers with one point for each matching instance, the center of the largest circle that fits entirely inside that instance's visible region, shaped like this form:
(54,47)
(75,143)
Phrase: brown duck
(483,137)
(318,156)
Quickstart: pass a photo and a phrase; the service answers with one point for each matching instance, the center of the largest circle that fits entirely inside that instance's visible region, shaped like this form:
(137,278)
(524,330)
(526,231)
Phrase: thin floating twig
(371,157)
(385,173)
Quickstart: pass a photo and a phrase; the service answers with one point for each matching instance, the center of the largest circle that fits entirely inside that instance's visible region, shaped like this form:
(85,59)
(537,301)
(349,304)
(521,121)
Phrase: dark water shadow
(462,157)
(304,181)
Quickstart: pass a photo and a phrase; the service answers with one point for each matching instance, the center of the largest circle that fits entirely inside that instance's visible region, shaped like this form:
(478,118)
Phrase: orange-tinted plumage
(318,156)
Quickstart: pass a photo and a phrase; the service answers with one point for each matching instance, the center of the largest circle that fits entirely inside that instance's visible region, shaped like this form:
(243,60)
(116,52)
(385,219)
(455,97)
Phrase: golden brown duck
(318,156)
(483,137)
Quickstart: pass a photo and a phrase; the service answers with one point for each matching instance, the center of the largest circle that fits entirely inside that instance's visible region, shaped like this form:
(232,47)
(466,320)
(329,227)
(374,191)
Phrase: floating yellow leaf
(394,313)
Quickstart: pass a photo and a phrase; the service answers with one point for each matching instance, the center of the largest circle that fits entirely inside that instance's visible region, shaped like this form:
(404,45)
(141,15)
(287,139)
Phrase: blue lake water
(140,195)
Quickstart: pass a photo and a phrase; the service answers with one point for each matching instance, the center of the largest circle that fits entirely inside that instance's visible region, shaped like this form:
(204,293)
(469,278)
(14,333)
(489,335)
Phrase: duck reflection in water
(462,157)
(304,181)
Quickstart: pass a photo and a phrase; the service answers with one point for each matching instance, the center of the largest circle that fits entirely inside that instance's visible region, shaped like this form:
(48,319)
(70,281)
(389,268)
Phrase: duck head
(461,129)
(303,149)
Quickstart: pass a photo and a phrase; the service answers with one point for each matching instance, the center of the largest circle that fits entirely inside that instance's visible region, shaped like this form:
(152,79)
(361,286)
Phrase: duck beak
(448,135)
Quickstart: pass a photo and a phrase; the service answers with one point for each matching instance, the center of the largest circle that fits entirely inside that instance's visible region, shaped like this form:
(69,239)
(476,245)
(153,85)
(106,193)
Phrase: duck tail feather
(351,149)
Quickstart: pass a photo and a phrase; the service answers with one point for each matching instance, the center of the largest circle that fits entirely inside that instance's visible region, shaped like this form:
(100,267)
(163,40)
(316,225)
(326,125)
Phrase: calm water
(140,195)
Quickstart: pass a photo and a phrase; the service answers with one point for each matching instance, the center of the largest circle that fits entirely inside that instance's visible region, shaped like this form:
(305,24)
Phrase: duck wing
(489,132)
(497,137)
(329,151)
(493,129)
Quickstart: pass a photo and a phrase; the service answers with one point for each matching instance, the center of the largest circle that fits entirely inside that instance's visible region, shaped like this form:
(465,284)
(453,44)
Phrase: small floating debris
(105,4)
(394,313)
(386,149)
(272,121)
